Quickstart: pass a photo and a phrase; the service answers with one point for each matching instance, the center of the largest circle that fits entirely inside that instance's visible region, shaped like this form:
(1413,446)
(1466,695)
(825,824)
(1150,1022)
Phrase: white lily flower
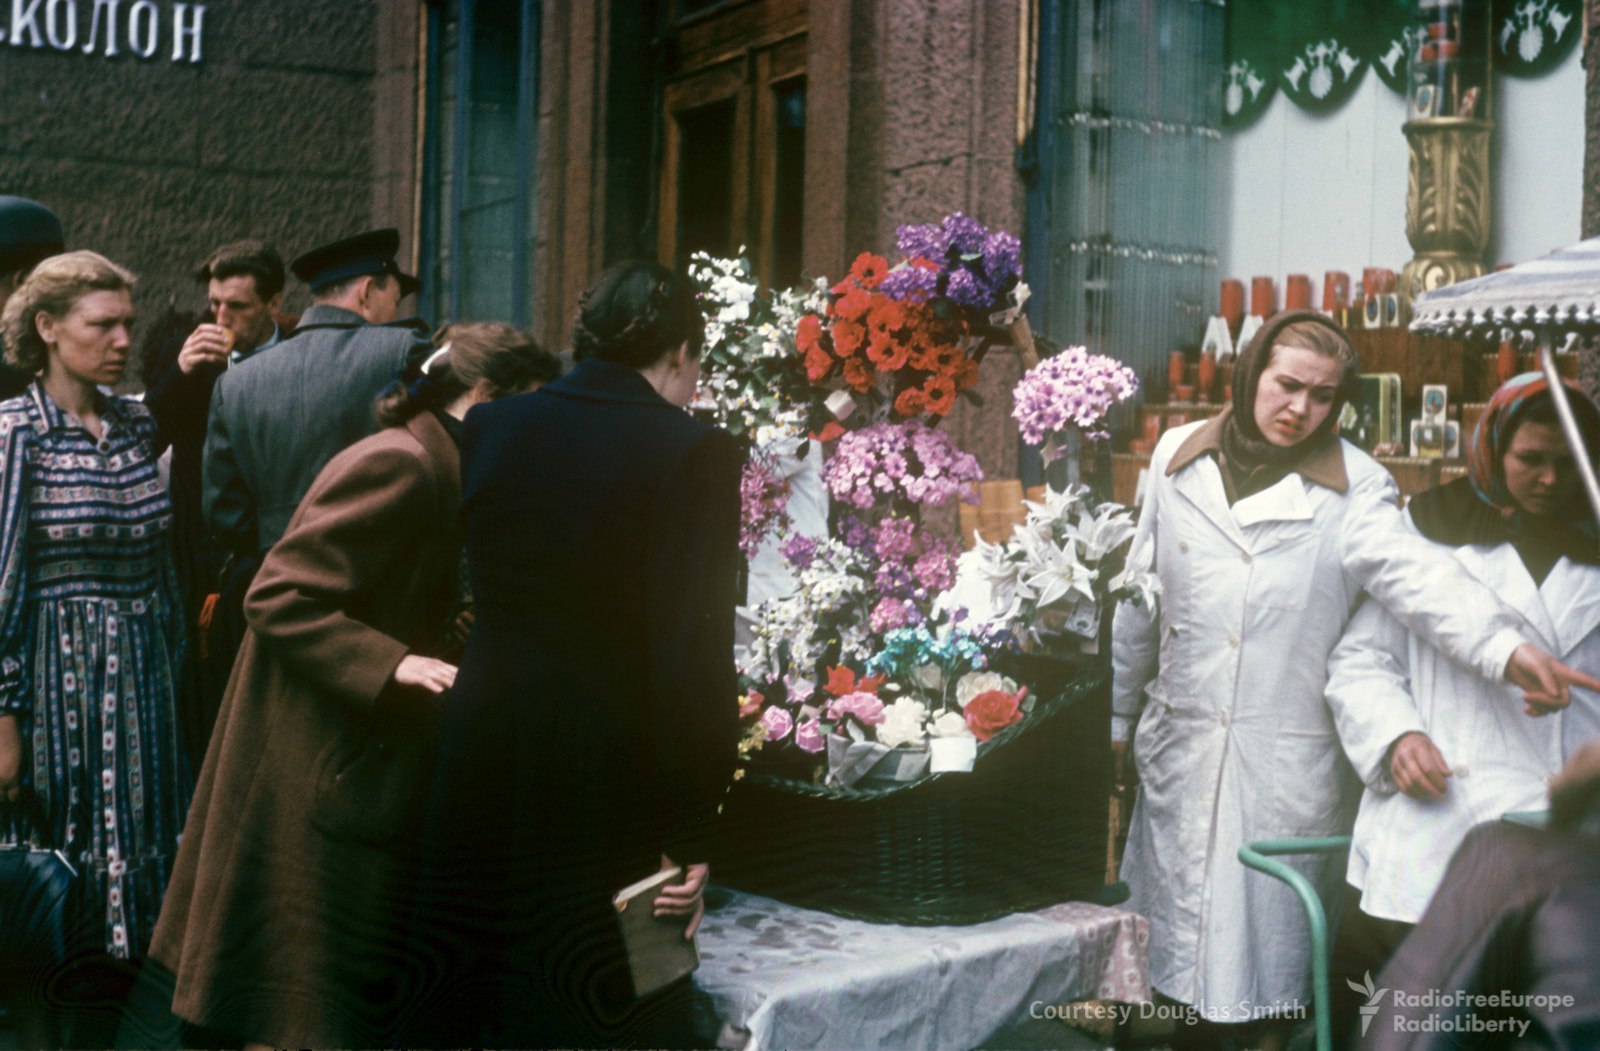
(1058,574)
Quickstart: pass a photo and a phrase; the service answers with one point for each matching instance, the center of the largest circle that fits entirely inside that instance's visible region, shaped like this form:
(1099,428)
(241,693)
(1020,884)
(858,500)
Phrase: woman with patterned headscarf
(1265,530)
(1439,748)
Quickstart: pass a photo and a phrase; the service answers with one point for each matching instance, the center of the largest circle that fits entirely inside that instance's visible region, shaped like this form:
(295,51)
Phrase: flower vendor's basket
(1026,828)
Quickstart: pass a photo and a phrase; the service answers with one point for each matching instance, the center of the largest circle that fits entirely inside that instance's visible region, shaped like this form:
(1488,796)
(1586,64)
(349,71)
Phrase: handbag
(35,884)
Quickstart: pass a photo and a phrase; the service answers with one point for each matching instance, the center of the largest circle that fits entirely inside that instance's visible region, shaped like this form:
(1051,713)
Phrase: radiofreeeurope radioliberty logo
(1374,995)
(1456,1011)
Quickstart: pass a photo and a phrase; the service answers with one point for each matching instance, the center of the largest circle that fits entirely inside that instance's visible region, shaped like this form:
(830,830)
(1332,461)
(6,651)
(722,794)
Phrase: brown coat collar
(1323,465)
(441,450)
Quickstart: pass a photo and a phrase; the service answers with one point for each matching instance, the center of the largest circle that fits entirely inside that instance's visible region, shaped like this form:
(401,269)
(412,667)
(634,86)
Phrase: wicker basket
(1026,828)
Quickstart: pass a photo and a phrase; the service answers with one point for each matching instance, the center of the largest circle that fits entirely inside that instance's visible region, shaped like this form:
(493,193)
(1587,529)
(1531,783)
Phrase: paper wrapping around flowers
(850,761)
(841,404)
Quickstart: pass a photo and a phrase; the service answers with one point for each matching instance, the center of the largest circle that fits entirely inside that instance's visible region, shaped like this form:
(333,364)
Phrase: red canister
(1297,293)
(1177,371)
(1232,308)
(1262,297)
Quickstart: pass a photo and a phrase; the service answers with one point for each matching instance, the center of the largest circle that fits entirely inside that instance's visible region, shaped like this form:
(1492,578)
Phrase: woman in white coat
(1264,529)
(1439,749)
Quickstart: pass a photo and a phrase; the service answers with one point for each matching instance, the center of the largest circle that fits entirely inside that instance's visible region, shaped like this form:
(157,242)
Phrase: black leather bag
(35,885)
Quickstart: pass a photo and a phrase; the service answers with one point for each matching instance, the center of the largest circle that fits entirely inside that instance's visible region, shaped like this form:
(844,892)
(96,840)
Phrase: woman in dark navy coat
(593,730)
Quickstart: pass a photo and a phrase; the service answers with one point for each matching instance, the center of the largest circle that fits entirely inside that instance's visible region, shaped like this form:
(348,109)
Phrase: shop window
(1124,207)
(478,206)
(735,124)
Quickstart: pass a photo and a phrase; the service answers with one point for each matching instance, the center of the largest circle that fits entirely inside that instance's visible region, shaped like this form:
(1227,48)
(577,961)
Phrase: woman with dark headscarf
(1439,749)
(1264,528)
(594,727)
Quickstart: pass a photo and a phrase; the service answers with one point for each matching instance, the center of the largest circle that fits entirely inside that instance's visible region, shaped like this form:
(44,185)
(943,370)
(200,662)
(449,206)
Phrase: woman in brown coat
(285,920)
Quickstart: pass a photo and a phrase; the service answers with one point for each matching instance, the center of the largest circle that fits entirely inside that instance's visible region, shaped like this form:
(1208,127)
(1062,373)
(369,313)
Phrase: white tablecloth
(781,977)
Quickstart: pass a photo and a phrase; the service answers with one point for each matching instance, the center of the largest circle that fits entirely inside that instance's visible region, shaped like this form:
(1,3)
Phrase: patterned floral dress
(90,644)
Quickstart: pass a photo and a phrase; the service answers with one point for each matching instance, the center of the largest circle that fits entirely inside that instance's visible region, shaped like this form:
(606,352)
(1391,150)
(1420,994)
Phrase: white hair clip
(427,366)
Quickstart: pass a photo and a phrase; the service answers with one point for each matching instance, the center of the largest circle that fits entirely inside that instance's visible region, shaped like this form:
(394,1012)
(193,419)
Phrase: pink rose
(865,707)
(777,722)
(808,735)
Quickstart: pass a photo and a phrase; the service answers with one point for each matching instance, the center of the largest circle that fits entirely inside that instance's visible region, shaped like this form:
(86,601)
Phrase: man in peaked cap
(278,417)
(29,233)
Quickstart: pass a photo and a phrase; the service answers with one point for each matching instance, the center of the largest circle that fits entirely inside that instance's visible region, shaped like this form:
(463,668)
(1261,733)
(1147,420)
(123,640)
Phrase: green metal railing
(1259,856)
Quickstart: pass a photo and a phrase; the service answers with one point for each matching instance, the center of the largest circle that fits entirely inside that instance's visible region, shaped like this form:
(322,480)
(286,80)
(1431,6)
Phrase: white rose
(976,682)
(902,723)
(931,676)
(949,724)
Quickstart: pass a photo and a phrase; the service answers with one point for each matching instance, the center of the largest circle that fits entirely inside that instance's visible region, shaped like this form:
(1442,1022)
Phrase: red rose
(993,711)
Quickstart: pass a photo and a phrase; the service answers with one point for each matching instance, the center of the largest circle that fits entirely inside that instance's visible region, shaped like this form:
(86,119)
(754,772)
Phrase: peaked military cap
(28,231)
(369,253)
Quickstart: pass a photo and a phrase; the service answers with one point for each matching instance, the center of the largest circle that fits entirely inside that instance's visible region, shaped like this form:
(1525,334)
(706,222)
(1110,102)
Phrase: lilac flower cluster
(799,550)
(763,504)
(965,261)
(908,461)
(912,563)
(891,613)
(909,567)
(1072,389)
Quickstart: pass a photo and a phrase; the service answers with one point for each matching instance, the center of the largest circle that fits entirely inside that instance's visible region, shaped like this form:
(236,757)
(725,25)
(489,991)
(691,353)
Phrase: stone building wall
(934,101)
(296,124)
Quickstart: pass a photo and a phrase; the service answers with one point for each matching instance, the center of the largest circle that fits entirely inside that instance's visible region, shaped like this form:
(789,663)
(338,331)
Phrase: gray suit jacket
(280,416)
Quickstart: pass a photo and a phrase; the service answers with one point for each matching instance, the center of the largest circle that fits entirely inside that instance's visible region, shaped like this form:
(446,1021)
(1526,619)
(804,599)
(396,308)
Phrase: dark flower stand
(1025,829)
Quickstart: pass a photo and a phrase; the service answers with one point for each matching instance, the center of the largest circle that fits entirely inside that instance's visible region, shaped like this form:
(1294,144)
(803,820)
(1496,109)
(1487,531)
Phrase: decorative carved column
(1447,201)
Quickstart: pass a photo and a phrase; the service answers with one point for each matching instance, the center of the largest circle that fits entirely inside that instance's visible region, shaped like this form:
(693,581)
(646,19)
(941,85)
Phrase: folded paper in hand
(658,953)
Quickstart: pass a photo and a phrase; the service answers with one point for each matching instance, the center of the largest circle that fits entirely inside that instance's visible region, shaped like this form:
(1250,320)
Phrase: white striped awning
(1560,291)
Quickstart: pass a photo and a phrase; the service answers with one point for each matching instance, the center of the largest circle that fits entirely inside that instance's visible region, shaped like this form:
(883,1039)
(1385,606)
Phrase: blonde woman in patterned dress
(89,628)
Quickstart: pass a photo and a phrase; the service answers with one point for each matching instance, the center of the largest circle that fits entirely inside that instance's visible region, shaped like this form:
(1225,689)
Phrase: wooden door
(733,160)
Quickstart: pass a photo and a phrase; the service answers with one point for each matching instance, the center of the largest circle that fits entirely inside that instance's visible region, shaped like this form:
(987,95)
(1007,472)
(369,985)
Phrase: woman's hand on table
(432,675)
(687,898)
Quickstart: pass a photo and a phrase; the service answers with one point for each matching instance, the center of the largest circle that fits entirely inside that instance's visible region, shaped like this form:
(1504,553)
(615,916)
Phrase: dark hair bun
(635,313)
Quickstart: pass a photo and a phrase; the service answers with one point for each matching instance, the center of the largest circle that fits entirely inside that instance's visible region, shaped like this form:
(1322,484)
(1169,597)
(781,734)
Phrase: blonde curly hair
(54,288)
